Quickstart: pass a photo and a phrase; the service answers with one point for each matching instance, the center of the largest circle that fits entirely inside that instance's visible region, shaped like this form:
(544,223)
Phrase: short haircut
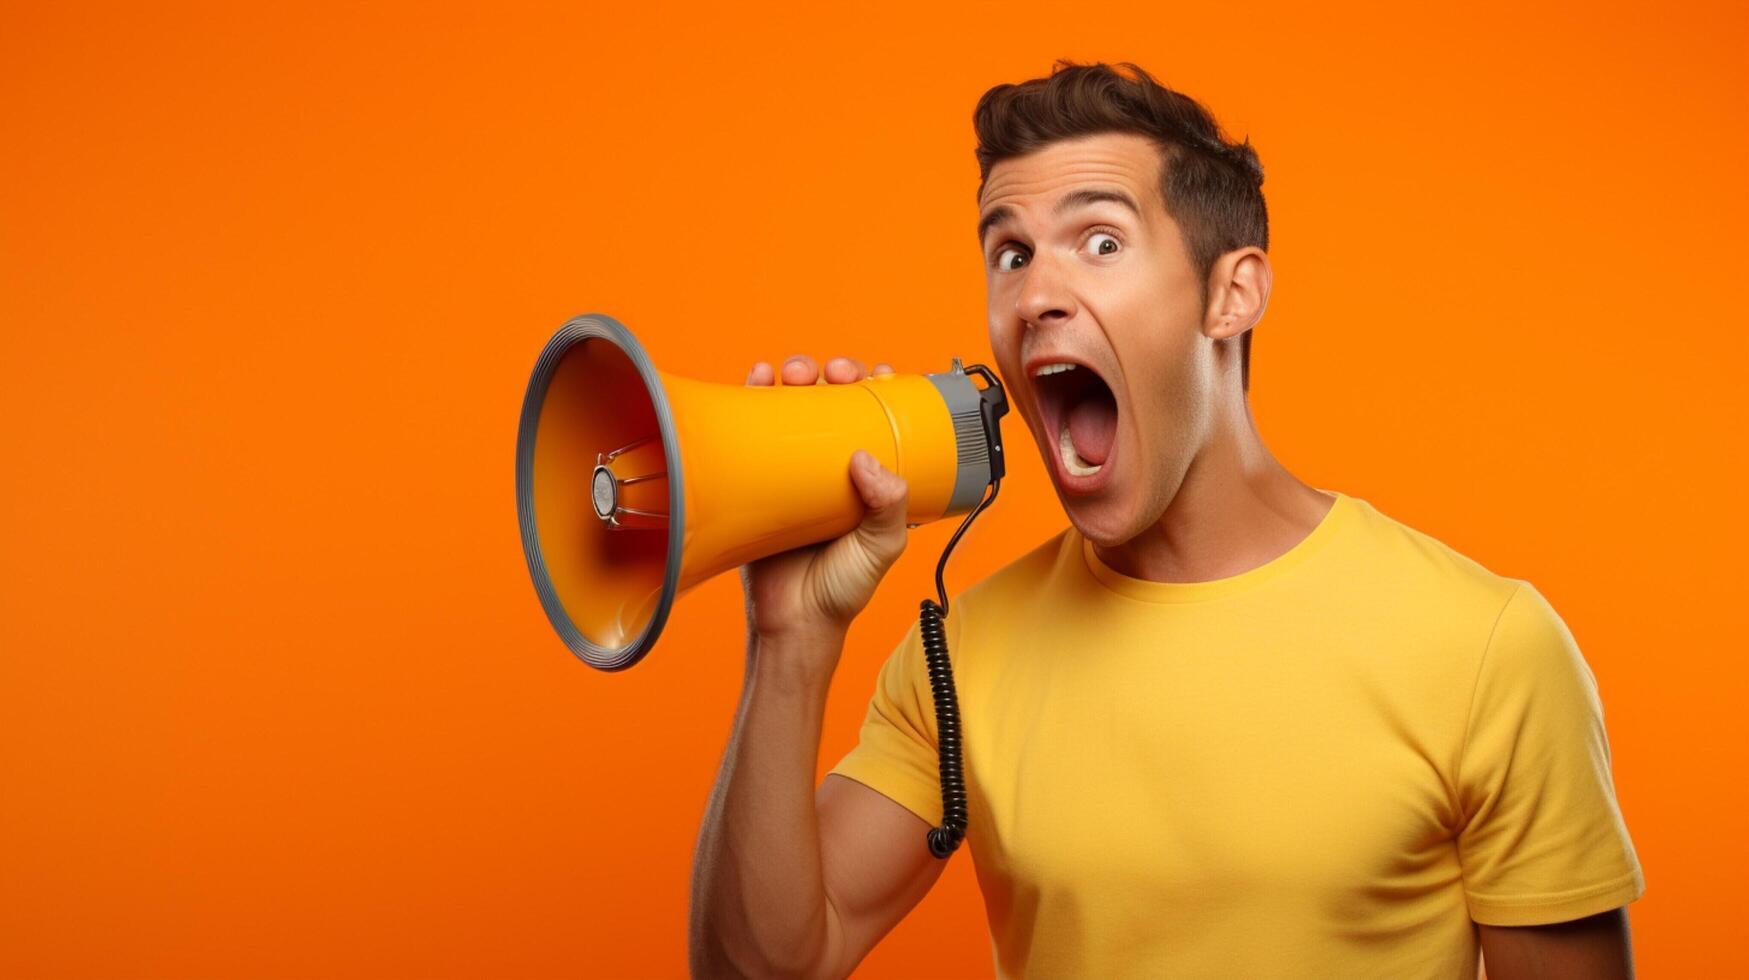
(1213,189)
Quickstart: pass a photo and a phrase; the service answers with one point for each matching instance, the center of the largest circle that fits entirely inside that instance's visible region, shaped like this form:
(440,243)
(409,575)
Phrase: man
(1225,723)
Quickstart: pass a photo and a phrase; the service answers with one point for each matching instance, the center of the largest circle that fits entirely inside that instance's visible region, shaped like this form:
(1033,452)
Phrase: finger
(844,370)
(762,374)
(883,368)
(886,494)
(800,370)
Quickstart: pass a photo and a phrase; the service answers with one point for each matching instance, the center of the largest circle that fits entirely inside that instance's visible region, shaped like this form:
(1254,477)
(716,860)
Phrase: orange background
(278,698)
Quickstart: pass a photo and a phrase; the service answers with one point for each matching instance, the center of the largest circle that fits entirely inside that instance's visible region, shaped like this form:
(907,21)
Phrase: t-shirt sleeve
(1543,839)
(896,754)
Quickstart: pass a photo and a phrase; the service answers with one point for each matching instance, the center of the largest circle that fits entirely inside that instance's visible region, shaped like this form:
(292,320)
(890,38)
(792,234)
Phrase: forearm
(759,902)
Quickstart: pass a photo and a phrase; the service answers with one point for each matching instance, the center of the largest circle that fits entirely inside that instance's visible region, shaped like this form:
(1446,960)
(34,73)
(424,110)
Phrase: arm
(1597,946)
(1547,861)
(788,885)
(877,864)
(784,884)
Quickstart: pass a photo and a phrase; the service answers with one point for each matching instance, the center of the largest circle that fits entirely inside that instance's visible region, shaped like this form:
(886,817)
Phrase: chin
(1106,522)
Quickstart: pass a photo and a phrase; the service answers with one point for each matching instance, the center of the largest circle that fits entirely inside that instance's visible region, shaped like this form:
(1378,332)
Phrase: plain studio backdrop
(276,695)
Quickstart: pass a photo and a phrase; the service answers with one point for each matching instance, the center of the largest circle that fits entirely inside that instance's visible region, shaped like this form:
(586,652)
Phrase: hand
(816,590)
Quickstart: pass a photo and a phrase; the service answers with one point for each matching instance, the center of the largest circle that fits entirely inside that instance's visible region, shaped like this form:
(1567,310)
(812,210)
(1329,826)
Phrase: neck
(1237,508)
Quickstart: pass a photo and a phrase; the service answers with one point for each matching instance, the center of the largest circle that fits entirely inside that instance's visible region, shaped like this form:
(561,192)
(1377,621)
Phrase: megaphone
(633,485)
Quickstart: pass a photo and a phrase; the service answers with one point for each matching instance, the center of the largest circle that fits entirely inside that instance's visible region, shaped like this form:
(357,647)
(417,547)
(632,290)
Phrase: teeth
(1071,459)
(1045,369)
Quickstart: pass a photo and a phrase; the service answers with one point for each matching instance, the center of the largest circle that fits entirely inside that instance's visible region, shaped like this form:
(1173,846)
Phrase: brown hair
(1213,189)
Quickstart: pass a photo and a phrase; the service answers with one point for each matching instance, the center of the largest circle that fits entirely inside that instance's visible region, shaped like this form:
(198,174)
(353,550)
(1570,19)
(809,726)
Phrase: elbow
(715,950)
(709,957)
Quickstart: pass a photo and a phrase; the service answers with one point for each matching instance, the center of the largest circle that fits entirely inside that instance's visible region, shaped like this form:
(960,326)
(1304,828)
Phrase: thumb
(887,496)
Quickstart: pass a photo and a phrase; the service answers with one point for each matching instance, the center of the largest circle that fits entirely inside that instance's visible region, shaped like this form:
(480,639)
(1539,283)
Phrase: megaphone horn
(633,485)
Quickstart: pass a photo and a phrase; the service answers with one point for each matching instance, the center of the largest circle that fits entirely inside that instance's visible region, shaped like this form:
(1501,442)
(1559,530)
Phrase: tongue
(1093,424)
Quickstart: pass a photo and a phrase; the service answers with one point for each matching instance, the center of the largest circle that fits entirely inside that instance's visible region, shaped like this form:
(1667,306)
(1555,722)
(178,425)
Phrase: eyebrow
(1068,202)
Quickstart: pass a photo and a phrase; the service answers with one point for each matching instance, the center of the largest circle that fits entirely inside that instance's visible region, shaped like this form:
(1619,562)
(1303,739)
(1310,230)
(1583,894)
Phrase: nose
(1044,296)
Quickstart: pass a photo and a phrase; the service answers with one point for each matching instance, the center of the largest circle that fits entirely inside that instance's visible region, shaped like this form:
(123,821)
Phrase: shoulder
(1417,567)
(1021,579)
(1507,628)
(1531,644)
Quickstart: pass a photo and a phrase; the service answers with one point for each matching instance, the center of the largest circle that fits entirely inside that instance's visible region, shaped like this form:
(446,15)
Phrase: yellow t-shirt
(1327,766)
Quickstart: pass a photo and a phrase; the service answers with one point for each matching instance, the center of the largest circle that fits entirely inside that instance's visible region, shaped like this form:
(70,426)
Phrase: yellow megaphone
(633,485)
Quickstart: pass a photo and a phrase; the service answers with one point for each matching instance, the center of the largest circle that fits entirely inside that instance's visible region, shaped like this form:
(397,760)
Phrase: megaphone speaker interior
(634,485)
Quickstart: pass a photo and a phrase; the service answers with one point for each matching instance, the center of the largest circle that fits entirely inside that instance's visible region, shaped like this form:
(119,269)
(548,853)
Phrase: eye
(1002,257)
(1104,243)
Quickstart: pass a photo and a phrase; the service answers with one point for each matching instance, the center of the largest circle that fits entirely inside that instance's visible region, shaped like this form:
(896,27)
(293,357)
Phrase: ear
(1238,292)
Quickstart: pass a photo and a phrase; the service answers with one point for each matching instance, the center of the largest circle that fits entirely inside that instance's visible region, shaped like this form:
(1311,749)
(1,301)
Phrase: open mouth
(1079,410)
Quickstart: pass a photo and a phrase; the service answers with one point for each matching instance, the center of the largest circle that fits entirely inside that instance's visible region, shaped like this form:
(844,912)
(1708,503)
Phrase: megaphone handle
(945,839)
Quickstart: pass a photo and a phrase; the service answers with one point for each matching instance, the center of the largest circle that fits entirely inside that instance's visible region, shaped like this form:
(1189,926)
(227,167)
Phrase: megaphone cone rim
(578,329)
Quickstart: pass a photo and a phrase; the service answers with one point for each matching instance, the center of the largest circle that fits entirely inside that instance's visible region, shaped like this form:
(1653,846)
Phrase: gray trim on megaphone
(576,331)
(964,403)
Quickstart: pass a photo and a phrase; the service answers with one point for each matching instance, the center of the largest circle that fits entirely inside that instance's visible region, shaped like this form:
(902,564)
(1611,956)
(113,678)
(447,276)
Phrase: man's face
(1077,279)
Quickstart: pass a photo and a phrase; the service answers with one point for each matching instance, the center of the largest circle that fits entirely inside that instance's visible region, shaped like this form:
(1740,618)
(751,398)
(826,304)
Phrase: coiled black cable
(945,839)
